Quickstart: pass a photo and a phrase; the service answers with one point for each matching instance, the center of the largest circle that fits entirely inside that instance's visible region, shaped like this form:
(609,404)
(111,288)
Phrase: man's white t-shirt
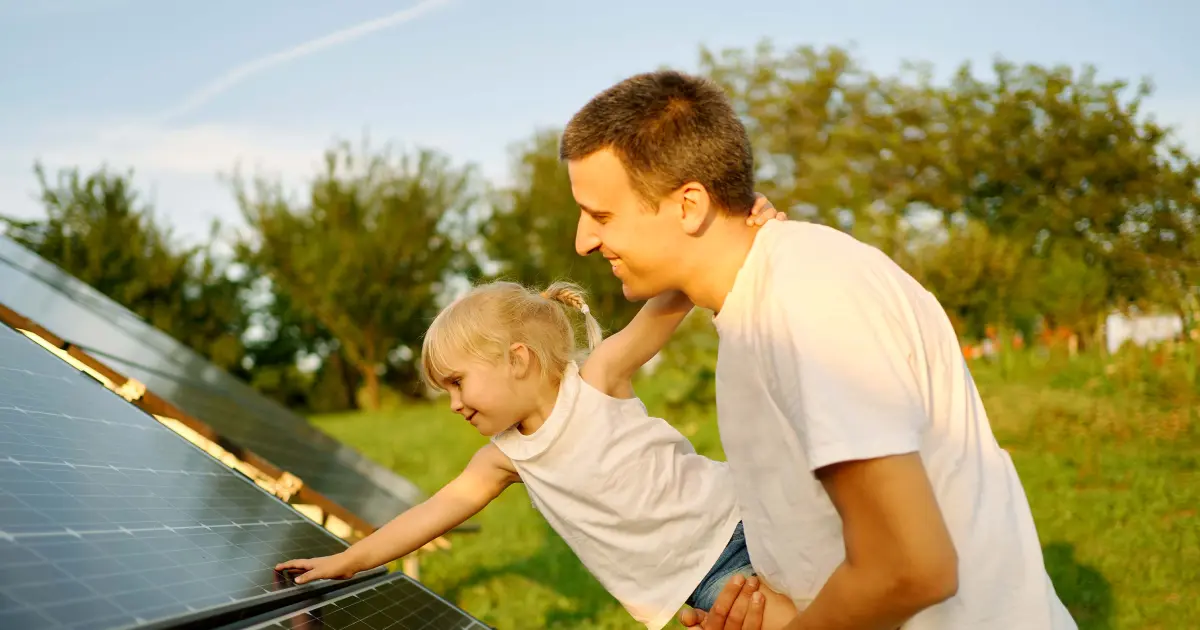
(831,352)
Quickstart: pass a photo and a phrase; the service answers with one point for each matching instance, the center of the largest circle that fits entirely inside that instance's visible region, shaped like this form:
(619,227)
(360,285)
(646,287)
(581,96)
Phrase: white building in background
(1140,329)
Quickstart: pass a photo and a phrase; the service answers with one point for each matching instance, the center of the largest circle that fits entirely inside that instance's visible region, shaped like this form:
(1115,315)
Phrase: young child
(655,522)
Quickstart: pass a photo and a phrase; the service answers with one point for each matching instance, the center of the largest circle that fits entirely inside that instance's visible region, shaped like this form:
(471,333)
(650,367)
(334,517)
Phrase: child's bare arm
(611,366)
(485,477)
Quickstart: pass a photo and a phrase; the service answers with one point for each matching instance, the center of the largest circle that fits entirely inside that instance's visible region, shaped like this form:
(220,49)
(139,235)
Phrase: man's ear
(519,360)
(695,207)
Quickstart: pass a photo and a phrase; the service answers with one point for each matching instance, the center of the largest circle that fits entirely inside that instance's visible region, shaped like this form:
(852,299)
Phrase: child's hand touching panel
(335,567)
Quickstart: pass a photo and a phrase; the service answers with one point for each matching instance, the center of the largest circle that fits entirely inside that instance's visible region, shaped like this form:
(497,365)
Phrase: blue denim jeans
(735,560)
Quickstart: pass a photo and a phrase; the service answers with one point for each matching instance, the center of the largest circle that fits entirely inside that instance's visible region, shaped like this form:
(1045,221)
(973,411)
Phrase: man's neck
(714,264)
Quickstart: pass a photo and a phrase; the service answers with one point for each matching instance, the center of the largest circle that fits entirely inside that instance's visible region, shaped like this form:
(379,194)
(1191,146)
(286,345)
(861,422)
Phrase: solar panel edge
(361,522)
(235,613)
(49,275)
(158,426)
(341,592)
(87,386)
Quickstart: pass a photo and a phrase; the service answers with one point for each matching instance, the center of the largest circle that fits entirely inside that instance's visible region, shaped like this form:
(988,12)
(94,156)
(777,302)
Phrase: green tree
(368,255)
(530,234)
(834,143)
(1072,291)
(97,229)
(1042,158)
(980,279)
(1051,156)
(280,335)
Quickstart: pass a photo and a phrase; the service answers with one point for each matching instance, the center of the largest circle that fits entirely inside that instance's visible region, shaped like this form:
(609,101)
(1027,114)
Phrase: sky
(185,93)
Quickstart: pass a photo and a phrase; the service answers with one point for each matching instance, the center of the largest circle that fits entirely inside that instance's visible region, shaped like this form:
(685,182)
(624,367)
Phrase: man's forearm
(860,599)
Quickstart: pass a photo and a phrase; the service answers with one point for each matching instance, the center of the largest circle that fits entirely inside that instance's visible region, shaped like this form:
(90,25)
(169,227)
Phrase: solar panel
(394,603)
(109,519)
(69,308)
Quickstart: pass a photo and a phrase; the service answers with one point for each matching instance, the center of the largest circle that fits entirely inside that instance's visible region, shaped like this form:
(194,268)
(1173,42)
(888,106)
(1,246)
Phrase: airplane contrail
(246,70)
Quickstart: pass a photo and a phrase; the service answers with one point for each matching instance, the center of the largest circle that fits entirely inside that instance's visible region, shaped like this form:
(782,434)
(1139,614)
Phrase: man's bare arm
(900,559)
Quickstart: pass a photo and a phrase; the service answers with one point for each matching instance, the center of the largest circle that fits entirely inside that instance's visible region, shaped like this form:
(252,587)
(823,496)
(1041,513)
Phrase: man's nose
(586,239)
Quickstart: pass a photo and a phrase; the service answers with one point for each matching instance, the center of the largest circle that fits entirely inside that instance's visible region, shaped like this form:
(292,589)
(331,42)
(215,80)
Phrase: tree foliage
(368,253)
(1055,163)
(1023,196)
(97,229)
(530,233)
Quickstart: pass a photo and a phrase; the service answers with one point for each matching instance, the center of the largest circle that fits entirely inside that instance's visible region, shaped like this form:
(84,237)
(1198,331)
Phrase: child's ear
(519,360)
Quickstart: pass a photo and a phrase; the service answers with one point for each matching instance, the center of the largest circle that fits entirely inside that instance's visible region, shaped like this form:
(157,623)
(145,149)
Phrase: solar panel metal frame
(270,605)
(78,293)
(329,596)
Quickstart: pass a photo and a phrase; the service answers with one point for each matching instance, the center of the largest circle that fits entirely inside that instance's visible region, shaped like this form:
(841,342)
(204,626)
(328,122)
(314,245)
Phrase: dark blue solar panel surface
(396,603)
(109,519)
(83,316)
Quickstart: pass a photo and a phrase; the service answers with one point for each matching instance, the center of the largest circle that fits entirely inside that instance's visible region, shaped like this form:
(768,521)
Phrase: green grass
(1110,460)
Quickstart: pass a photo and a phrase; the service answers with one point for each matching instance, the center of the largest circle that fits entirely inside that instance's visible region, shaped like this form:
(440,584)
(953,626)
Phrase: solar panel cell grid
(398,604)
(67,307)
(278,439)
(108,519)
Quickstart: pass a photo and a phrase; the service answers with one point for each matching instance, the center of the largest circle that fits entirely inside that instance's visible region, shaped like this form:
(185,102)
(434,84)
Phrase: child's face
(488,395)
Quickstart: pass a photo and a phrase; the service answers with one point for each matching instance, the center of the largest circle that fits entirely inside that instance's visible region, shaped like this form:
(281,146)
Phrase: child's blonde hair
(486,321)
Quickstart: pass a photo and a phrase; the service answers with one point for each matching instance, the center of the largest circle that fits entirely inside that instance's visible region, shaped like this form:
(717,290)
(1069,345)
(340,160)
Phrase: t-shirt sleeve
(841,360)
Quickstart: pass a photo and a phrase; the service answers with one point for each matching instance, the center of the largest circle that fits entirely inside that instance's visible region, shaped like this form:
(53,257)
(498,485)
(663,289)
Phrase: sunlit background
(197,162)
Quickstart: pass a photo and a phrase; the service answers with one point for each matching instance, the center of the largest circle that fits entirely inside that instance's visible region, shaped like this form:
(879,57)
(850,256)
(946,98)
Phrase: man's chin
(634,295)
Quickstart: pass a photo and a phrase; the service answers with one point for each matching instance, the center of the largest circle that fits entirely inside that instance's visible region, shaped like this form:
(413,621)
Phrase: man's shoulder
(803,255)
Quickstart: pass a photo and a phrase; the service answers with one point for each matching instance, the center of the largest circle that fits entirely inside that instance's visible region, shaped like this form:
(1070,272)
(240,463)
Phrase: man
(872,490)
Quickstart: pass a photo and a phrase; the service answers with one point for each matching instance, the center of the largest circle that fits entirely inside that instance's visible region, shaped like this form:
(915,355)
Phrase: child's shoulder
(601,378)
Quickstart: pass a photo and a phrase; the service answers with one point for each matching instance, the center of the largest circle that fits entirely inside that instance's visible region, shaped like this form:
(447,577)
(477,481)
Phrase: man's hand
(739,607)
(763,211)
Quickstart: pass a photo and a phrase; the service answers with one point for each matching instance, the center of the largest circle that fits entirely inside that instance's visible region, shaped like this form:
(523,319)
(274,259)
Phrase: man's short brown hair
(668,129)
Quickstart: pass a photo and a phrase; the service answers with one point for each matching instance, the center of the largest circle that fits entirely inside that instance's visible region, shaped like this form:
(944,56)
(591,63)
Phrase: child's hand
(335,567)
(763,211)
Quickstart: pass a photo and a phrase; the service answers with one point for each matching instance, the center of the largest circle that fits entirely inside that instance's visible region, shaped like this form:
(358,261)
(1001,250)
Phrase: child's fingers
(309,576)
(769,214)
(760,203)
(762,211)
(302,563)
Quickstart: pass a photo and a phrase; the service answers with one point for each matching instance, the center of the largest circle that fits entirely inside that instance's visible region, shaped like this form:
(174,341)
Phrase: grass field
(1109,455)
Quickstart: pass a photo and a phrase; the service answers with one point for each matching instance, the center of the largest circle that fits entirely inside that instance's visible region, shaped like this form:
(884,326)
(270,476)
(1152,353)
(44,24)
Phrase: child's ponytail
(572,295)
